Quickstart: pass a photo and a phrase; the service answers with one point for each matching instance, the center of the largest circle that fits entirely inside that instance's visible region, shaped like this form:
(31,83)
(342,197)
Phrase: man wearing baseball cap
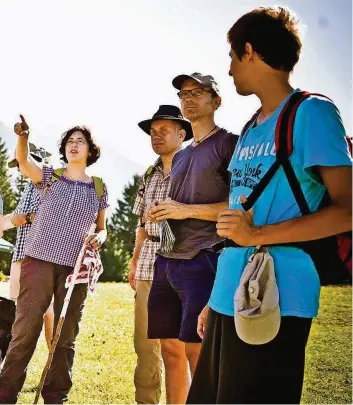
(184,274)
(167,129)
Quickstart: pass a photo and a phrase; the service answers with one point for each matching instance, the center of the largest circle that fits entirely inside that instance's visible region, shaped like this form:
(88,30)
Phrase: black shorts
(180,290)
(230,371)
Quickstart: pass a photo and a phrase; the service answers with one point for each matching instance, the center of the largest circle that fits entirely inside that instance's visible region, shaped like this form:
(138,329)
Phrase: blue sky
(108,64)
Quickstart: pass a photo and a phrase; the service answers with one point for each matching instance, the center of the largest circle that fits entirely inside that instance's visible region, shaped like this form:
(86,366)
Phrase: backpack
(98,182)
(7,318)
(144,178)
(332,256)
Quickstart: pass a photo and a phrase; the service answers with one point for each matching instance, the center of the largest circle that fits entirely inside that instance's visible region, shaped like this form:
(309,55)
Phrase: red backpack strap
(284,148)
(281,149)
(285,122)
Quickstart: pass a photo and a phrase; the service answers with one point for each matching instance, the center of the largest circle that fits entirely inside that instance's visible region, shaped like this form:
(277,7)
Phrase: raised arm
(27,166)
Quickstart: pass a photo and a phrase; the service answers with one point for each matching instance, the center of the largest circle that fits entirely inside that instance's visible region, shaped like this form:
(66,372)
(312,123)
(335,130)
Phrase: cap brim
(179,80)
(37,158)
(12,163)
(258,330)
(146,125)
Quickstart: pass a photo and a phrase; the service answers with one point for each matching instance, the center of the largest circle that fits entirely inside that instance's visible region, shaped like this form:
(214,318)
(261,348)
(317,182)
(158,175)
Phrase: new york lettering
(253,171)
(248,182)
(237,173)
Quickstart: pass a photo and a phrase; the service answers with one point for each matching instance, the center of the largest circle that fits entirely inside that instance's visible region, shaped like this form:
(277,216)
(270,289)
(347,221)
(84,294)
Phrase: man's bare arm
(170,209)
(141,236)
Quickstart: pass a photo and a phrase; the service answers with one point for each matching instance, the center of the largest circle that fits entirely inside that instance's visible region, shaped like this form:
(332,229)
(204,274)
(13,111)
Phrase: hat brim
(36,157)
(146,125)
(13,163)
(179,80)
(258,330)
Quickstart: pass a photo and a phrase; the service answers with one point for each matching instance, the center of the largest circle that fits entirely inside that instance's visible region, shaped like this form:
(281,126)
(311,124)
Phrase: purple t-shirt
(66,211)
(200,175)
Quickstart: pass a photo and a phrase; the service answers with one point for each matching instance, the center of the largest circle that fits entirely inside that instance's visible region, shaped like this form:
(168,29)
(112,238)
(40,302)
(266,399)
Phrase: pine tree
(9,202)
(123,220)
(20,184)
(5,183)
(118,248)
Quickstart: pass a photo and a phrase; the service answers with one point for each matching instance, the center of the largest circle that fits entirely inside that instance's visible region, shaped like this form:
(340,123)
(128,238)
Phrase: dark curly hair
(273,34)
(94,150)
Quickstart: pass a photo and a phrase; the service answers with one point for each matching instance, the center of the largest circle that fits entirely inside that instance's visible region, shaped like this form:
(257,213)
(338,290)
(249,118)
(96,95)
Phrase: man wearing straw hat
(167,129)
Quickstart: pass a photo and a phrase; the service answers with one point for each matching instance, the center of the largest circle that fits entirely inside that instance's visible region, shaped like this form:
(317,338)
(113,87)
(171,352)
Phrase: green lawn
(105,360)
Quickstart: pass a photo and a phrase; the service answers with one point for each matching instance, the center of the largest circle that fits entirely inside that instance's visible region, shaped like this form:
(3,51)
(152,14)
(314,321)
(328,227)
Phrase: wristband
(28,218)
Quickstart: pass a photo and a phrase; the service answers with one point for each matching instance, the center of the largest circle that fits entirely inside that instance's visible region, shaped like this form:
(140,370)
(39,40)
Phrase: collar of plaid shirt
(158,165)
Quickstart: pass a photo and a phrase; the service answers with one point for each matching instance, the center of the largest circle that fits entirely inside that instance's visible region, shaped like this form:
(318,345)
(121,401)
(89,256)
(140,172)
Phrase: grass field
(103,371)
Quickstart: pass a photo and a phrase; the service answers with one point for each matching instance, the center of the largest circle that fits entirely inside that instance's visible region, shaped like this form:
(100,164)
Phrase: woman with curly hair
(68,207)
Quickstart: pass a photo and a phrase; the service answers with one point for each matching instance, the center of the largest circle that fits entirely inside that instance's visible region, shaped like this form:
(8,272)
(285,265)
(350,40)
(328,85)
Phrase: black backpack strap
(284,148)
(292,180)
(255,194)
(295,187)
(261,185)
(282,152)
(249,123)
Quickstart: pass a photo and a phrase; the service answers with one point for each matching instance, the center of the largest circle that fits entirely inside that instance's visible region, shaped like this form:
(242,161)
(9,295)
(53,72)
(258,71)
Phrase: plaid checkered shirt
(153,187)
(66,211)
(28,203)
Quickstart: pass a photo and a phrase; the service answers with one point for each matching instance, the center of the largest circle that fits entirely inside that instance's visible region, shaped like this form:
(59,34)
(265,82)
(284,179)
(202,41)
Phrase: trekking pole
(62,316)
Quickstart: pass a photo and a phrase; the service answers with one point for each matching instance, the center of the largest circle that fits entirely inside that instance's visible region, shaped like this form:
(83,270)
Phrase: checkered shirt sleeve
(28,203)
(139,206)
(29,200)
(156,188)
(103,201)
(47,173)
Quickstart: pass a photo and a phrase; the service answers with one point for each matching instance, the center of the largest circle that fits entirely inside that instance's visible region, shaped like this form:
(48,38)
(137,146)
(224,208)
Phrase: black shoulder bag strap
(284,148)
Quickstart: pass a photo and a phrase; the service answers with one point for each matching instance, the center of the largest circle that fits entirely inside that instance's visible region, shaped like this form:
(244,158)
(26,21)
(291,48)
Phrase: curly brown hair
(272,32)
(94,150)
